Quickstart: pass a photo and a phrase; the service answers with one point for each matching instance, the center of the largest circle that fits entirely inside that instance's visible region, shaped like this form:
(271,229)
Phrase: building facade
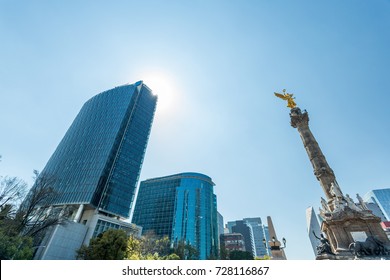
(183,207)
(242,227)
(376,210)
(259,233)
(313,225)
(220,223)
(232,242)
(380,197)
(386,227)
(62,241)
(96,166)
(253,232)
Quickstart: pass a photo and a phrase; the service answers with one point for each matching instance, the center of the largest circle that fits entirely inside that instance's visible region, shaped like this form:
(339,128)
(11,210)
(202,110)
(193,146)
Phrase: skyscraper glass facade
(382,198)
(182,207)
(242,227)
(259,232)
(155,206)
(253,231)
(313,225)
(98,161)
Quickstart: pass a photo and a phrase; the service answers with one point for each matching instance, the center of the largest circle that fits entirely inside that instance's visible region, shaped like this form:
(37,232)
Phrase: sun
(163,86)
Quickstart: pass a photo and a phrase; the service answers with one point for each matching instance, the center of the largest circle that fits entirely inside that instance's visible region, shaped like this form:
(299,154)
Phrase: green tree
(36,213)
(240,255)
(15,247)
(110,245)
(172,256)
(26,215)
(265,257)
(12,192)
(185,251)
(149,247)
(116,245)
(223,252)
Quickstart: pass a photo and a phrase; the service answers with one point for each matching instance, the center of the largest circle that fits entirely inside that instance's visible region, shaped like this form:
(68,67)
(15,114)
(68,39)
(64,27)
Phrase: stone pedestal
(340,227)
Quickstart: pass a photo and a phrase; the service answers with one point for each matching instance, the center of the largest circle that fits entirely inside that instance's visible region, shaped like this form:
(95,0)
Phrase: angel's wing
(280,96)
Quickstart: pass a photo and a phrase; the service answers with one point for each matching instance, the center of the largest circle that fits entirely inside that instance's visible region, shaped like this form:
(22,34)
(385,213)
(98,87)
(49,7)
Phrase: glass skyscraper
(313,224)
(259,232)
(182,207)
(381,197)
(96,166)
(253,232)
(98,162)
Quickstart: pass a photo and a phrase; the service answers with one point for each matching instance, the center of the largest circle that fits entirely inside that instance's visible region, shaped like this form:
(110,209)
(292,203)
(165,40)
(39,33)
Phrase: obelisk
(274,244)
(344,221)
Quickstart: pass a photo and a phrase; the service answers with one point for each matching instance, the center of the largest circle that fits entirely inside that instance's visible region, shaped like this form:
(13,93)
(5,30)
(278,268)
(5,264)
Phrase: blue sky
(214,66)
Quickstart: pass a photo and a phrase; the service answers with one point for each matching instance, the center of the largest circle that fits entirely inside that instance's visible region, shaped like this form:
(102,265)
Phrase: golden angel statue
(289,97)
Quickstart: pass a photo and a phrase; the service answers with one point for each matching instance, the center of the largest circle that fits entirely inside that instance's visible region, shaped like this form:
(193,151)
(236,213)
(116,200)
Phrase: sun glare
(162,86)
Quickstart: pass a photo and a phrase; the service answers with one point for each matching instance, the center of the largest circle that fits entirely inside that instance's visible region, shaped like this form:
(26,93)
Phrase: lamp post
(276,249)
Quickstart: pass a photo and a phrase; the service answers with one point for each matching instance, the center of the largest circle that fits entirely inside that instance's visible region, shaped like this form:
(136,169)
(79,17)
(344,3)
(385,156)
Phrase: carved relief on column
(299,119)
(322,171)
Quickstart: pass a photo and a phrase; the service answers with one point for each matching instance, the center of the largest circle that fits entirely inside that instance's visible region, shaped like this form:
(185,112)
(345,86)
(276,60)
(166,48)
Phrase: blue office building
(313,224)
(259,232)
(381,197)
(182,207)
(253,232)
(96,166)
(98,162)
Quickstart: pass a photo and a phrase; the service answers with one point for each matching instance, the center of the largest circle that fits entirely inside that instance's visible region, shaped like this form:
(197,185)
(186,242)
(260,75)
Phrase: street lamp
(275,244)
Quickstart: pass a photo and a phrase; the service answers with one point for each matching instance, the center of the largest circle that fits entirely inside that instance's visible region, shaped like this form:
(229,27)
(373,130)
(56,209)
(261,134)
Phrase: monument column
(346,224)
(322,171)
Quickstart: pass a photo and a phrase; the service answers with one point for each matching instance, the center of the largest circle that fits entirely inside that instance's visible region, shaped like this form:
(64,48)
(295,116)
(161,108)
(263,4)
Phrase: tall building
(220,229)
(376,210)
(96,166)
(313,225)
(253,232)
(381,197)
(242,227)
(386,227)
(220,223)
(232,242)
(259,233)
(183,207)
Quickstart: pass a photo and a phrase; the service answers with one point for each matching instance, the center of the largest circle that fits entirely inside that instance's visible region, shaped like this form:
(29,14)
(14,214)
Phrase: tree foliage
(110,245)
(150,247)
(186,251)
(15,247)
(223,252)
(12,192)
(36,215)
(116,245)
(12,244)
(240,255)
(265,257)
(24,219)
